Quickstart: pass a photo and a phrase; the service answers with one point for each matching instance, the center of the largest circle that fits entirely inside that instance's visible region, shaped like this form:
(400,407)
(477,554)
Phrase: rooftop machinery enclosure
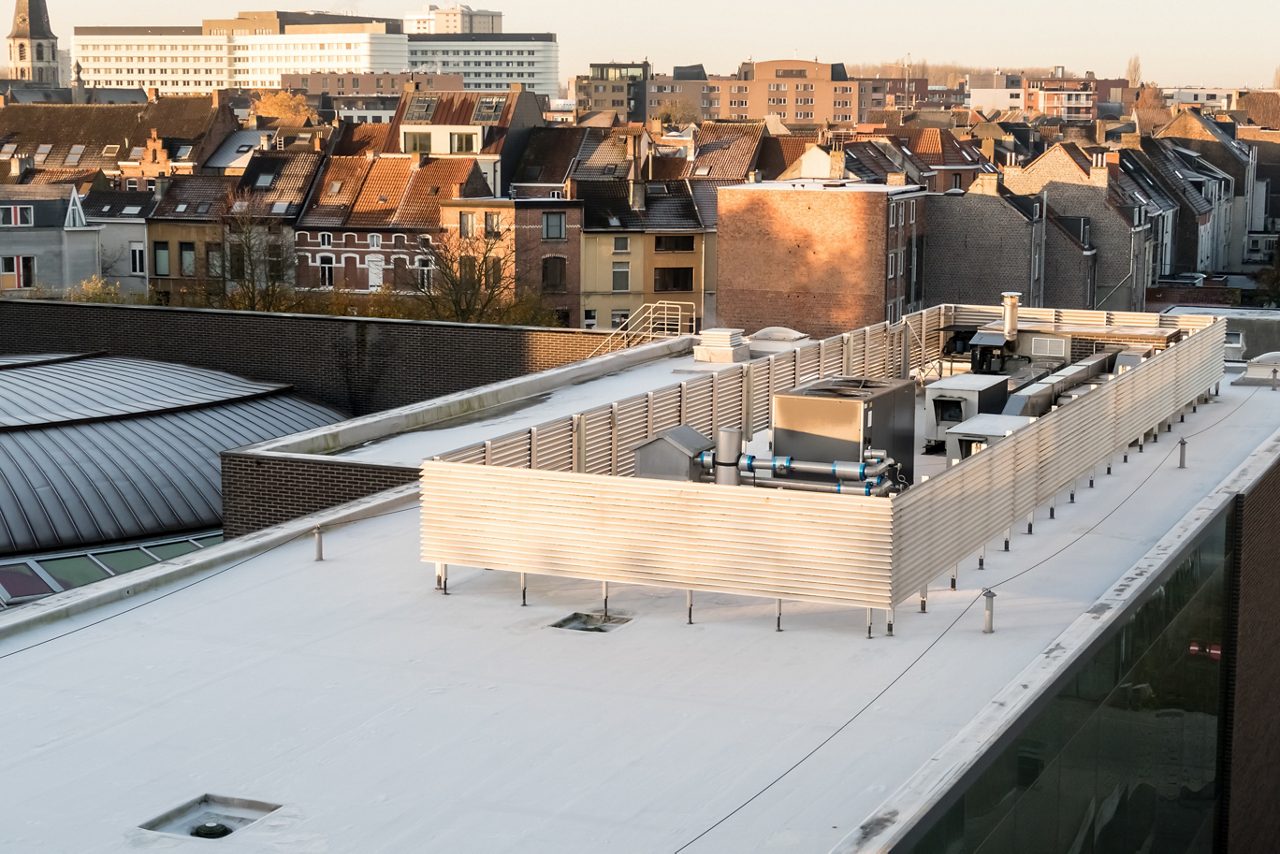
(842,417)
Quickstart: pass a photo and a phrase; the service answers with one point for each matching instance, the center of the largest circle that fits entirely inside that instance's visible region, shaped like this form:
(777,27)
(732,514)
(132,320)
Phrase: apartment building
(618,87)
(252,51)
(453,19)
(819,256)
(994,93)
(687,94)
(121,217)
(373,83)
(45,241)
(1087,97)
(490,60)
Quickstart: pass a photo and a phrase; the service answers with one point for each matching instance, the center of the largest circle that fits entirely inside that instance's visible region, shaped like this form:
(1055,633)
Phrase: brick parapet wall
(358,365)
(261,490)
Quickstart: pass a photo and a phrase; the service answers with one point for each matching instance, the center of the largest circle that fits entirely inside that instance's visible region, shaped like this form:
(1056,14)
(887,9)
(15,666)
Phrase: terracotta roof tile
(777,153)
(433,182)
(726,150)
(201,198)
(363,139)
(336,192)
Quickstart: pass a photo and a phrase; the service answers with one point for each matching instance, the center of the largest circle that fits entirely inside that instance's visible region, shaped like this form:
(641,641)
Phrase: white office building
(491,60)
(249,52)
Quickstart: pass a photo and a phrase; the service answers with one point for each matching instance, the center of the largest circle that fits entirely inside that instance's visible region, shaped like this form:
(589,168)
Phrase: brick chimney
(896,179)
(153,95)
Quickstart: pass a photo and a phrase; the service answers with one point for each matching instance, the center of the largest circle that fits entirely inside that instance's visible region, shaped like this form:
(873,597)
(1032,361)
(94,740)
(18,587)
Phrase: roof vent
(579,622)
(210,817)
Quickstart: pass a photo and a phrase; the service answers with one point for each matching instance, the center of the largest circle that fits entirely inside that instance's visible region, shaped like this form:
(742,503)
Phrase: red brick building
(820,257)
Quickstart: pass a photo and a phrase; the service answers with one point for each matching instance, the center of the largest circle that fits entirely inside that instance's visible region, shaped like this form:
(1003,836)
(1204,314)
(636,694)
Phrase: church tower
(33,48)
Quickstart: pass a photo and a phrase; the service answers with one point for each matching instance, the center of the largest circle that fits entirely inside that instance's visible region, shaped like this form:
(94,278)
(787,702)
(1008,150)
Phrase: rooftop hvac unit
(843,417)
(952,400)
(980,432)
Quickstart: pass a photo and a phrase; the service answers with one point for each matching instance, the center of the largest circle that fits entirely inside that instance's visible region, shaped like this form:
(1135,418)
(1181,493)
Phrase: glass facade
(1124,757)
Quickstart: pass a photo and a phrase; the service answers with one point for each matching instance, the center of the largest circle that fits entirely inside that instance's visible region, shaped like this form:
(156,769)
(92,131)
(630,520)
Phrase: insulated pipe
(728,451)
(875,488)
(838,470)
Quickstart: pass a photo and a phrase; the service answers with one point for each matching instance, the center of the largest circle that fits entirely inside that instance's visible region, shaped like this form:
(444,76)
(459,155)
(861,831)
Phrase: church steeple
(33,48)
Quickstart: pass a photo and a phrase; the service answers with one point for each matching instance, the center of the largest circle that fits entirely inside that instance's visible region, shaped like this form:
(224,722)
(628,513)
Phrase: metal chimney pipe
(728,449)
(988,621)
(1010,300)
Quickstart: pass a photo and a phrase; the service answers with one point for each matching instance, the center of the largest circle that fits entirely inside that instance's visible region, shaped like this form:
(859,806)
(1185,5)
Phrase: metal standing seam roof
(101,450)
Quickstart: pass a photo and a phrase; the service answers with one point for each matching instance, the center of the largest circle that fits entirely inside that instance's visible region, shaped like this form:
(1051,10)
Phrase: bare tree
(471,279)
(1133,72)
(260,261)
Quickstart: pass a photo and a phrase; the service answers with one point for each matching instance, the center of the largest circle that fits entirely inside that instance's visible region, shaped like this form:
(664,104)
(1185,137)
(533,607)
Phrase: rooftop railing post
(988,620)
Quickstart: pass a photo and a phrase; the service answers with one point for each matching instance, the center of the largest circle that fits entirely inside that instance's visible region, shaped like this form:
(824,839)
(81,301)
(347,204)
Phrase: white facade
(173,63)
(454,19)
(190,63)
(995,100)
(492,62)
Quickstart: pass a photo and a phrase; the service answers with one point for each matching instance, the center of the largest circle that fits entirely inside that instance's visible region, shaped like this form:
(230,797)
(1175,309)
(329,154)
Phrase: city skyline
(954,37)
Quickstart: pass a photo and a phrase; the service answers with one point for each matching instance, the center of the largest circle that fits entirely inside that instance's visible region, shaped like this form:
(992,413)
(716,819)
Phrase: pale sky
(1180,42)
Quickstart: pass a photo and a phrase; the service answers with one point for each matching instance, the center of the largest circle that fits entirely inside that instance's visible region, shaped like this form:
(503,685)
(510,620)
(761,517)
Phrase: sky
(722,33)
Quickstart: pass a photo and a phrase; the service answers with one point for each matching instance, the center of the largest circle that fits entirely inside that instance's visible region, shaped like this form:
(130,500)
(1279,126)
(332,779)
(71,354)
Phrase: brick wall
(979,246)
(259,491)
(1253,737)
(358,365)
(811,259)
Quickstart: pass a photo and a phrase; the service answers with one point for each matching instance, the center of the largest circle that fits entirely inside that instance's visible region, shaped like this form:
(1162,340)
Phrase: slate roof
(706,198)
(1175,130)
(198,198)
(603,155)
(27,127)
(113,204)
(1174,173)
(669,206)
(867,162)
(279,180)
(549,155)
(726,150)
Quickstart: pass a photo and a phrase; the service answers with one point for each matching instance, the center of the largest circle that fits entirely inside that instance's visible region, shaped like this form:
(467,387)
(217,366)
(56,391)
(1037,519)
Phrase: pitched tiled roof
(603,156)
(726,150)
(777,153)
(363,139)
(1262,108)
(1077,155)
(669,168)
(669,206)
(279,180)
(336,191)
(939,147)
(706,198)
(1191,124)
(549,154)
(48,132)
(866,161)
(200,198)
(390,191)
(1174,174)
(493,111)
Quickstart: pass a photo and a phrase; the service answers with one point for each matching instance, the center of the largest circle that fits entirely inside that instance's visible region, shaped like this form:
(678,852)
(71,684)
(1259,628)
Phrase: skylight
(184,151)
(74,155)
(135,153)
(264,180)
(335,186)
(614,221)
(203,207)
(42,152)
(702,171)
(244,149)
(280,207)
(421,108)
(239,207)
(610,168)
(110,150)
(489,109)
(8,149)
(131,210)
(180,207)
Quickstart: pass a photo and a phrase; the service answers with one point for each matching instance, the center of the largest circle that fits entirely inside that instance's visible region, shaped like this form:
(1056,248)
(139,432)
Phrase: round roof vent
(211,830)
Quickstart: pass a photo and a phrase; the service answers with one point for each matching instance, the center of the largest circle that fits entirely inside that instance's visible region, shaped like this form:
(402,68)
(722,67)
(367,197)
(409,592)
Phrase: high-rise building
(453,19)
(33,48)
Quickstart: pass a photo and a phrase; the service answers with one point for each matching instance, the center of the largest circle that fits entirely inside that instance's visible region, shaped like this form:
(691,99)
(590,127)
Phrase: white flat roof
(411,448)
(386,717)
(846,185)
(969,382)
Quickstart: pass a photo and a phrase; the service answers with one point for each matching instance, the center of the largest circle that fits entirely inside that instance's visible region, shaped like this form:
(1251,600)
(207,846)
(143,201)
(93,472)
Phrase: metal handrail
(662,319)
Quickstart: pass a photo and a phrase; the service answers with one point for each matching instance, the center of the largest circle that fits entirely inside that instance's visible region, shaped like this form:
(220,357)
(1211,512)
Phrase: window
(589,318)
(553,226)
(213,260)
(673,279)
(467,271)
(160,262)
(462,143)
(913,210)
(417,143)
(326,270)
(326,239)
(554,275)
(375,241)
(17,271)
(187,259)
(673,243)
(955,182)
(618,316)
(893,215)
(890,262)
(621,276)
(466,224)
(492,224)
(621,245)
(16,215)
(138,258)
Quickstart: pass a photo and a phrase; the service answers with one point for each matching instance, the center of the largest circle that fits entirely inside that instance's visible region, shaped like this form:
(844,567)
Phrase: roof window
(335,187)
(184,151)
(203,207)
(110,150)
(181,207)
(264,180)
(131,210)
(280,208)
(244,149)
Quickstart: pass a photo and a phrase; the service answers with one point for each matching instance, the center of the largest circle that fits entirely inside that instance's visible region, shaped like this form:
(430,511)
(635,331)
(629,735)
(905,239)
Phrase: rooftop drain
(591,622)
(210,817)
